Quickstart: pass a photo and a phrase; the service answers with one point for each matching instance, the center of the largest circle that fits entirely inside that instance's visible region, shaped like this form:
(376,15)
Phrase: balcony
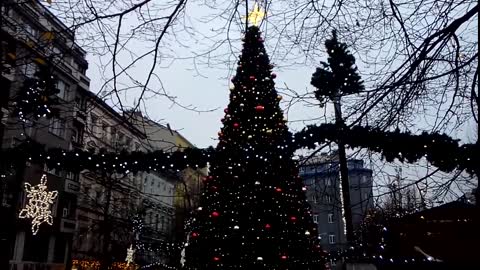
(72,186)
(79,115)
(67,225)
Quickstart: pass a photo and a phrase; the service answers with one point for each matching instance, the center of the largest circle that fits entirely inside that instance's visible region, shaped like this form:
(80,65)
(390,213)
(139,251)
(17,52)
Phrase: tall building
(321,177)
(32,37)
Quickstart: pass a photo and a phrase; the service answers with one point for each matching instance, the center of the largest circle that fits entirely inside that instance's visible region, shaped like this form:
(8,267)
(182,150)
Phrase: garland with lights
(440,150)
(124,162)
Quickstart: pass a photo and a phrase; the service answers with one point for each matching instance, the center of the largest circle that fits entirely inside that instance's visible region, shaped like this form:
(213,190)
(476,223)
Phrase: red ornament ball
(194,234)
(260,39)
(259,108)
(274,75)
(215,214)
(225,110)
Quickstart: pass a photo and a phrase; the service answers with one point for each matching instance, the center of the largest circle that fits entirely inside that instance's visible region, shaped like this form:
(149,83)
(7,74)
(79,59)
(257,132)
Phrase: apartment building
(321,177)
(187,183)
(32,37)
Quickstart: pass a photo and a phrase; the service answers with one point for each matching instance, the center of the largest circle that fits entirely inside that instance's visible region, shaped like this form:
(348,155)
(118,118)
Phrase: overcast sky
(205,88)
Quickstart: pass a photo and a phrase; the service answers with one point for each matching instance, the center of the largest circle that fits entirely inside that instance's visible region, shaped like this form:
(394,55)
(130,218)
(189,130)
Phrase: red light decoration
(267,226)
(283,257)
(252,78)
(278,189)
(236,125)
(194,234)
(293,218)
(215,214)
(216,258)
(259,108)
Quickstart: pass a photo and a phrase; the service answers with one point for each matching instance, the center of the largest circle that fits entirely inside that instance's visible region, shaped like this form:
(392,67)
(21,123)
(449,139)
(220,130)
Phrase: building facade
(321,178)
(32,37)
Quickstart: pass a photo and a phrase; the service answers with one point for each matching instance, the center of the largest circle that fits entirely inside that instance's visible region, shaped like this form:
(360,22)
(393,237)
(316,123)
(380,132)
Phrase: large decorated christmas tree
(253,213)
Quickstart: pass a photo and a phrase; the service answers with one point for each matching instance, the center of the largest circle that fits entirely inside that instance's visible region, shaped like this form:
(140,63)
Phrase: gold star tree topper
(256,16)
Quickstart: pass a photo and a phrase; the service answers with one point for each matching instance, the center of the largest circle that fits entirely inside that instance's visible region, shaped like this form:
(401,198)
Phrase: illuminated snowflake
(39,204)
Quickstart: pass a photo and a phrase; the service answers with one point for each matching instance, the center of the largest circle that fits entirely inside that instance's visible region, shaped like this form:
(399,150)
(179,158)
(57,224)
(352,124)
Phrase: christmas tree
(338,77)
(36,98)
(253,213)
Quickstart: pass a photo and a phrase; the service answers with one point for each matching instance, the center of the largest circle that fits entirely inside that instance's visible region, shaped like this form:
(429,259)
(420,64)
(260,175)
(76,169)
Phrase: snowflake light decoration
(130,252)
(39,204)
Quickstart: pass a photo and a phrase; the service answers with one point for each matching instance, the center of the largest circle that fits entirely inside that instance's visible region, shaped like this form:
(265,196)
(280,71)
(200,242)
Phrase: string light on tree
(39,204)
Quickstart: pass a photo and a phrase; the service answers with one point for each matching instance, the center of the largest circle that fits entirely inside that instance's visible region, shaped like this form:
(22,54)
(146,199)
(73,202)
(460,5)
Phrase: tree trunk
(106,226)
(347,210)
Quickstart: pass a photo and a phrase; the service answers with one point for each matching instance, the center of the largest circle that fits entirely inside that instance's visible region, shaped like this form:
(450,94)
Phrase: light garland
(39,203)
(342,204)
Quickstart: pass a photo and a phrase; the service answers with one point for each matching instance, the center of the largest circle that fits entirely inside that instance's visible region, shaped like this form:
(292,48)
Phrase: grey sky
(209,90)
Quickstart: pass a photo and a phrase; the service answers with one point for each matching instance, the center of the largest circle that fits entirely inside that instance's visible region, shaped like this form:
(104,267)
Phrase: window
(113,136)
(63,90)
(328,198)
(328,182)
(128,143)
(104,130)
(364,179)
(57,127)
(31,30)
(121,138)
(331,239)
(315,219)
(31,69)
(330,218)
(94,120)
